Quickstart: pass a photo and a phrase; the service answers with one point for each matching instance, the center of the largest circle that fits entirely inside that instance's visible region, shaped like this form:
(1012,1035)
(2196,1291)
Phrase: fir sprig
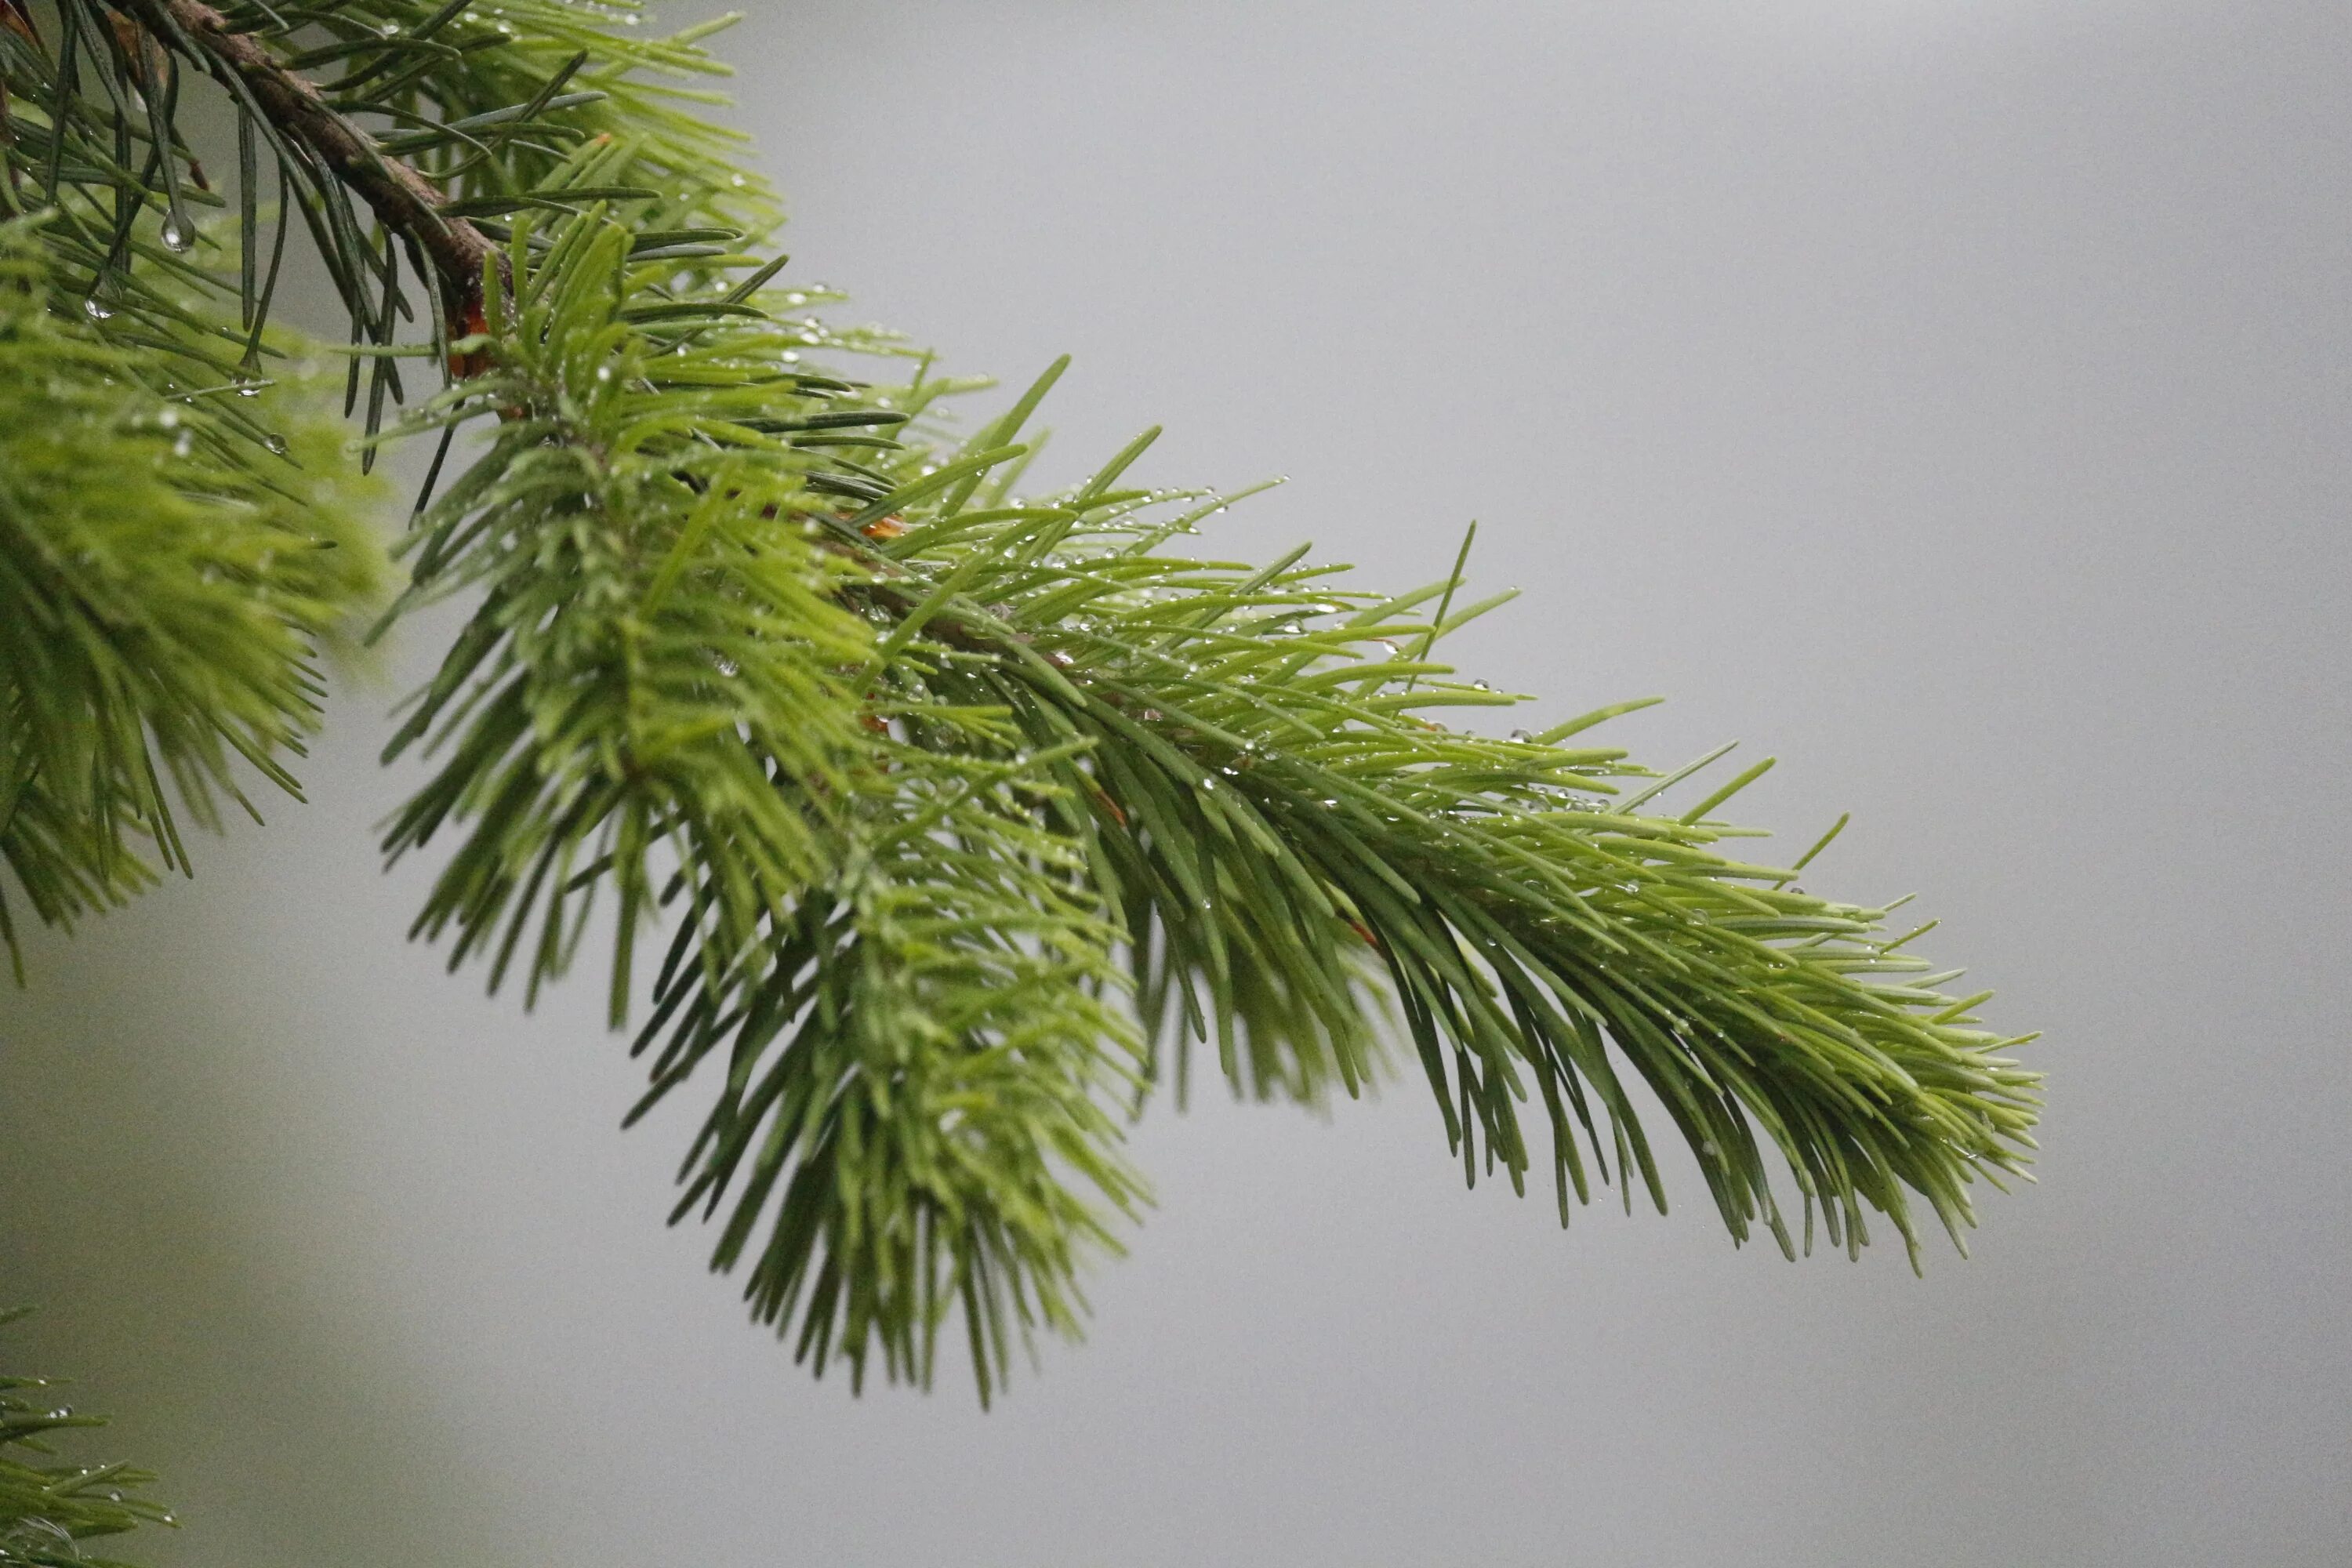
(964,814)
(165,584)
(49,1509)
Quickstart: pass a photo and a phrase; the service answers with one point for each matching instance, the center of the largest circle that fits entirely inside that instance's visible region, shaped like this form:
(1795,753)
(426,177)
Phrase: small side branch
(408,204)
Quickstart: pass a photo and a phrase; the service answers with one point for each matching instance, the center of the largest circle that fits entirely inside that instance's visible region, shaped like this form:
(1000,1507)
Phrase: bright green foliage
(963,816)
(48,1508)
(164,587)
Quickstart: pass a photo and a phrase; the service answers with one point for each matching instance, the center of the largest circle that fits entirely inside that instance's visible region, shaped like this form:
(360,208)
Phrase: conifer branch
(49,1509)
(967,813)
(407,204)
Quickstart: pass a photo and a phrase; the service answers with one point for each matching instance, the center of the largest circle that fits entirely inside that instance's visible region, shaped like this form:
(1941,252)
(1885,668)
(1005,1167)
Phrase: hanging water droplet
(179,235)
(96,310)
(276,443)
(114,1497)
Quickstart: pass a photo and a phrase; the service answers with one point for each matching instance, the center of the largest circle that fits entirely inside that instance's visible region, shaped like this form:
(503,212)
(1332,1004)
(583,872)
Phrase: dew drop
(276,443)
(179,235)
(95,310)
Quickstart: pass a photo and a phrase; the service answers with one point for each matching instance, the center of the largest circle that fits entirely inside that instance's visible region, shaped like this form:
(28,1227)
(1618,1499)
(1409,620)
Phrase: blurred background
(1948,396)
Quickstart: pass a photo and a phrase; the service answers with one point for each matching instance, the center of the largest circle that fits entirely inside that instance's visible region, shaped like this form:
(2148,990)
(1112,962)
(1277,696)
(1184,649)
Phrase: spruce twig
(961,817)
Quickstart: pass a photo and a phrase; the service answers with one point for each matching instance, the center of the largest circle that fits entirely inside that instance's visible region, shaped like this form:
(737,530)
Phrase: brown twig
(407,204)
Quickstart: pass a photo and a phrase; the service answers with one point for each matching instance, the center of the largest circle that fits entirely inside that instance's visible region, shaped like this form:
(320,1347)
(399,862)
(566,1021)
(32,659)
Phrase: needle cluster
(928,823)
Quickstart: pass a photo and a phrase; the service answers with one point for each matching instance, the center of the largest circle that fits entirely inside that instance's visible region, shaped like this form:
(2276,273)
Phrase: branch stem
(404,200)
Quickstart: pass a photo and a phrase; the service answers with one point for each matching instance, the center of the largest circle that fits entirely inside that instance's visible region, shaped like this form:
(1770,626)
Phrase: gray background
(1949,397)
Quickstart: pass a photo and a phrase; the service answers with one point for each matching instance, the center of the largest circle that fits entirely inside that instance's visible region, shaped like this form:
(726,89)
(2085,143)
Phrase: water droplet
(179,235)
(114,1497)
(96,310)
(276,443)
